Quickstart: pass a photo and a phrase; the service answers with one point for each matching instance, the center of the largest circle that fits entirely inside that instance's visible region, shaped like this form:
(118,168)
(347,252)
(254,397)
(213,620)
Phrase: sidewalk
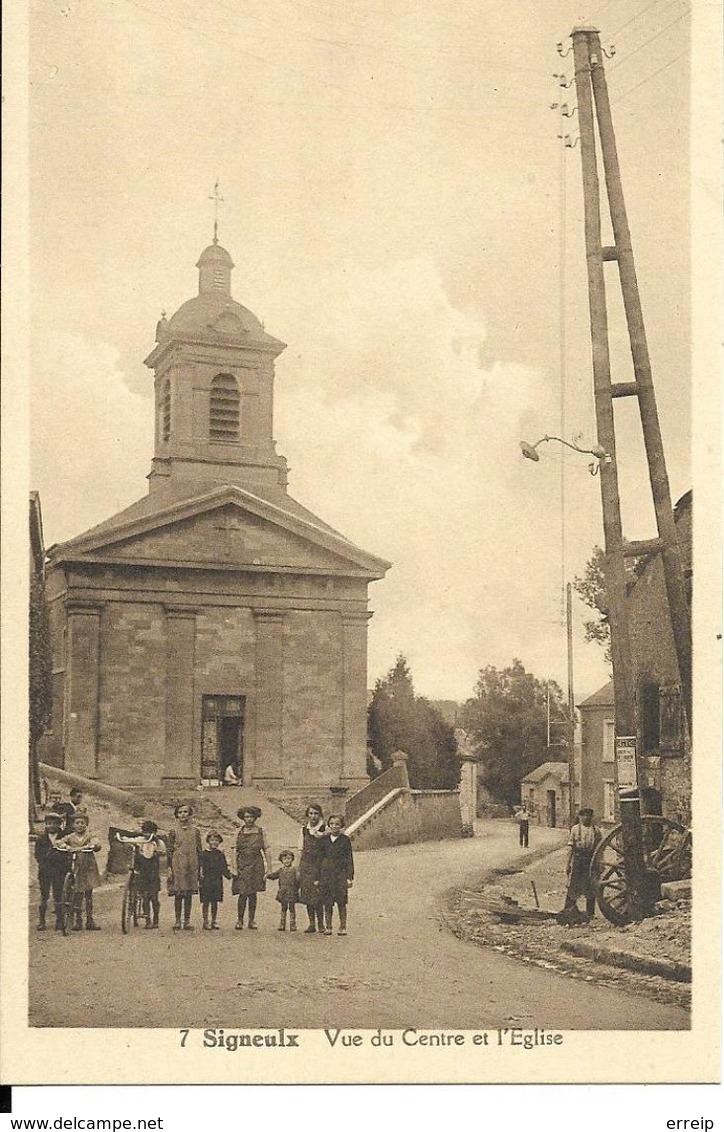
(652,957)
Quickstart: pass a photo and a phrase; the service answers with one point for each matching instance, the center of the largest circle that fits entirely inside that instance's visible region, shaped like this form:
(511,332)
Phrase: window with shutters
(224,409)
(609,800)
(609,741)
(166,411)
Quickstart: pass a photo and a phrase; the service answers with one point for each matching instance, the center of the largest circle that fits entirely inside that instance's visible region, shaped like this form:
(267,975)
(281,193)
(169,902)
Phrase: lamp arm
(585,451)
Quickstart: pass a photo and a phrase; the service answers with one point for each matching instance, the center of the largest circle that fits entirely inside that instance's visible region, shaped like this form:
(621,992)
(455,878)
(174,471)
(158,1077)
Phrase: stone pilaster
(269,679)
(83,687)
(181,761)
(468,790)
(353,771)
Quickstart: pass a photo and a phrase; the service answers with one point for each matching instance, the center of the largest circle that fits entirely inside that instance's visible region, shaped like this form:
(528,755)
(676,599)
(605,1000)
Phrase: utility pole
(571,708)
(591,88)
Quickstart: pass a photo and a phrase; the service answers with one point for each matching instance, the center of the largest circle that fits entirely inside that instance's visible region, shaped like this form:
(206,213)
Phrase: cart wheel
(66,903)
(128,906)
(667,856)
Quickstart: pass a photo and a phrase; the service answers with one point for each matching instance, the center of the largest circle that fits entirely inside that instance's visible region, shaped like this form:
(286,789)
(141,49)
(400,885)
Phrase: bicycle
(132,901)
(68,900)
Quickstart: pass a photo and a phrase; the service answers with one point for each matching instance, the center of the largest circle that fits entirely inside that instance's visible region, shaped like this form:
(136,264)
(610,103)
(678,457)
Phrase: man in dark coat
(52,867)
(336,873)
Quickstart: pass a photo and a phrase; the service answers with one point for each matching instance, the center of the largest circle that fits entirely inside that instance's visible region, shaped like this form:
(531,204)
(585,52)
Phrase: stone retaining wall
(411,816)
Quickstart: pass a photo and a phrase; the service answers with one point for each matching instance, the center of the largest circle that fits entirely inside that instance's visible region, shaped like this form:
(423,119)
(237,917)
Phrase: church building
(216,621)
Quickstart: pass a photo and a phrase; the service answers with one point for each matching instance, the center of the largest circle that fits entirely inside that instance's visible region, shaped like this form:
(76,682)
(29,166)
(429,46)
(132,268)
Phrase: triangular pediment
(228,528)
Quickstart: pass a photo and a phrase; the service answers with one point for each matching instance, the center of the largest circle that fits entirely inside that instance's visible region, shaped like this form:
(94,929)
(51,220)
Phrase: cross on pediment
(231,539)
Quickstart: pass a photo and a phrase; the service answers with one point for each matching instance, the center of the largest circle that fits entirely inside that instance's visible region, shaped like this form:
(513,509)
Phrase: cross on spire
(217,198)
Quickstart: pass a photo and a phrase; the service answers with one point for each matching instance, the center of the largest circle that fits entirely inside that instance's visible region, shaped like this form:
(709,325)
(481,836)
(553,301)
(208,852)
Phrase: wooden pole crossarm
(638,549)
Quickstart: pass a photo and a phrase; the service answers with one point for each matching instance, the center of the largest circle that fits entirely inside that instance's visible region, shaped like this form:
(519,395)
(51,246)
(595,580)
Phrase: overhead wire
(625,59)
(634,18)
(648,78)
(598,12)
(356,96)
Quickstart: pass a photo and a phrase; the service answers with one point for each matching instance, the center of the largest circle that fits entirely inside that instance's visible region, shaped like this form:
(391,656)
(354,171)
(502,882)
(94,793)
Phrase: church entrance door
(222,737)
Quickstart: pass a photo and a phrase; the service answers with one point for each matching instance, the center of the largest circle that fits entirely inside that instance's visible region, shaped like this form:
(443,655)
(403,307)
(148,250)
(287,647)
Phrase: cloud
(92,438)
(400,437)
(396,433)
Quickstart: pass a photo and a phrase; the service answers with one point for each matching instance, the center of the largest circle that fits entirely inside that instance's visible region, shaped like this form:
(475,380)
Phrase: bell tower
(213,369)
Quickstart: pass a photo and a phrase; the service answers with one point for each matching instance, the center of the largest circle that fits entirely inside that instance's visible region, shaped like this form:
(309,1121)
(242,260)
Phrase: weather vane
(217,198)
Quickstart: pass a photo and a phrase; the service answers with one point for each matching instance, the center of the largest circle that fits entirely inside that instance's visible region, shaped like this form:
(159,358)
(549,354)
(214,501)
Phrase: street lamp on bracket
(530,451)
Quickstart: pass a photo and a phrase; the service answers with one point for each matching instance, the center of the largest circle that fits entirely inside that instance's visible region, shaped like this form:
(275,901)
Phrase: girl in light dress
(184,855)
(87,875)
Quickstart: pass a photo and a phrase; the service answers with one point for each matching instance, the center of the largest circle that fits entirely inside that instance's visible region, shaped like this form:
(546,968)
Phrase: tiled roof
(548,770)
(602,698)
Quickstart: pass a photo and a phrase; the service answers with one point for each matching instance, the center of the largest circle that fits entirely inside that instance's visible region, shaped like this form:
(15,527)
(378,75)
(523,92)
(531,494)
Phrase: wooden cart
(667,857)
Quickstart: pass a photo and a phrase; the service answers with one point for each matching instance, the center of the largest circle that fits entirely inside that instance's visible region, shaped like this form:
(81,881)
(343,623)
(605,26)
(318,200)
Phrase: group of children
(321,881)
(66,832)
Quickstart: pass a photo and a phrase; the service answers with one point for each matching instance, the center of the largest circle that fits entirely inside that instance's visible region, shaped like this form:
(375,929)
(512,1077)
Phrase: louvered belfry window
(166,411)
(224,409)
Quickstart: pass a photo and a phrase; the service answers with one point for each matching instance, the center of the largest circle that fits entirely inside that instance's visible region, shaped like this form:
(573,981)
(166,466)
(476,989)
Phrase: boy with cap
(52,867)
(67,810)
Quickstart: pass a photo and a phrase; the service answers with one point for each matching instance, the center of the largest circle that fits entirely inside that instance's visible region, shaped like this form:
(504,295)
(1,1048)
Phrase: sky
(402,212)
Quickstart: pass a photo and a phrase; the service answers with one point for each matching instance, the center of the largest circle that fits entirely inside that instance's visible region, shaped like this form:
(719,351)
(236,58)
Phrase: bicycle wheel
(128,906)
(66,903)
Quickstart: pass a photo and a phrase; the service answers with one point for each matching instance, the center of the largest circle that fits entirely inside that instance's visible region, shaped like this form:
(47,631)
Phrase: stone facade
(216,620)
(662,737)
(661,732)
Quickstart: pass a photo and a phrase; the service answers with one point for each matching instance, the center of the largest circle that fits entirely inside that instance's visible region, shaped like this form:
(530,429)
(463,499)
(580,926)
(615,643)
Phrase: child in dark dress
(288,895)
(312,842)
(336,873)
(214,867)
(52,867)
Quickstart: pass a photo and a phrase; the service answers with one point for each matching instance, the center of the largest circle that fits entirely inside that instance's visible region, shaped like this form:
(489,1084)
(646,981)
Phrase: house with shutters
(216,621)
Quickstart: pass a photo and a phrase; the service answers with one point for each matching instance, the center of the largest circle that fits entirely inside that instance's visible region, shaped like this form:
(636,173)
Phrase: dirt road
(398,967)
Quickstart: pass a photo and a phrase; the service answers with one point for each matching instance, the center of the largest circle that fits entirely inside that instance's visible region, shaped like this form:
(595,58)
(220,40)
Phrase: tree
(592,589)
(398,720)
(507,721)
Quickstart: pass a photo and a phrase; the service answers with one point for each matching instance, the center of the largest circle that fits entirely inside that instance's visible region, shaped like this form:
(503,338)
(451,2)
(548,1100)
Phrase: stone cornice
(269,615)
(76,605)
(180,611)
(216,346)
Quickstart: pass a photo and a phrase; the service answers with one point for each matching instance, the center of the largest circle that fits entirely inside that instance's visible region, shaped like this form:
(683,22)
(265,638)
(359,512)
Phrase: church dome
(213,313)
(215,254)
